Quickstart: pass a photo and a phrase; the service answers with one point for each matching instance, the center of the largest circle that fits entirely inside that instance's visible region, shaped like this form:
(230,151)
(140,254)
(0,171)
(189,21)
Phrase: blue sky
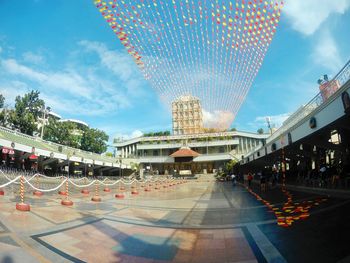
(66,50)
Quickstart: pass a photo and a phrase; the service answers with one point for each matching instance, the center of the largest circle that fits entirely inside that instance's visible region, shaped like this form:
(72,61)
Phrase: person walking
(250,179)
(262,177)
(233,178)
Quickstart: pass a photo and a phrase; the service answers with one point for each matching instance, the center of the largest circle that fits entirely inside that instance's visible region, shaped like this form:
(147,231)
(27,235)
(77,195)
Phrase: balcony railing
(200,158)
(146,146)
(28,140)
(342,77)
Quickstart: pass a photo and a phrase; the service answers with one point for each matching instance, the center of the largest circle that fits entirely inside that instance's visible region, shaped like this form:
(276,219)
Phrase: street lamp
(45,111)
(68,157)
(268,120)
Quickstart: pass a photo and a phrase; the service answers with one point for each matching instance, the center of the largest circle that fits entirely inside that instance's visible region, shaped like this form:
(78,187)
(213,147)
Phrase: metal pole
(283,168)
(42,127)
(67,193)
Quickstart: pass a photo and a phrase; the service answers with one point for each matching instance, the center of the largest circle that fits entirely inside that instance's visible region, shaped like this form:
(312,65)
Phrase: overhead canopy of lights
(212,50)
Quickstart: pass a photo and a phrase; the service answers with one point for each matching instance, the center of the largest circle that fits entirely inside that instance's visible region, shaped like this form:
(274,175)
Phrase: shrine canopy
(184,154)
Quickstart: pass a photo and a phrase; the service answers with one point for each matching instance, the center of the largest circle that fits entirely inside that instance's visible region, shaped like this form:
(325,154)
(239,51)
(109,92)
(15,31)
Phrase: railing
(72,150)
(17,133)
(183,137)
(146,146)
(342,77)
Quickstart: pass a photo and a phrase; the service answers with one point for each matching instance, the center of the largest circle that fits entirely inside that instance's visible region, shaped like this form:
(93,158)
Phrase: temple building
(187,115)
(188,154)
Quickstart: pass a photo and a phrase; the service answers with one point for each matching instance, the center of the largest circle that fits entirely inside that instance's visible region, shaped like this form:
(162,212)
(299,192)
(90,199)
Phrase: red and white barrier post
(22,206)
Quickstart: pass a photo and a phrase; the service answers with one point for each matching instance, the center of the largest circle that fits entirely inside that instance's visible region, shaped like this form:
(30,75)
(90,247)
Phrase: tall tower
(187,115)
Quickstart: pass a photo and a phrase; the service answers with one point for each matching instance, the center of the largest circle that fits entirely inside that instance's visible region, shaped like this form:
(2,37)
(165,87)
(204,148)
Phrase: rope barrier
(66,180)
(110,184)
(44,190)
(129,183)
(10,182)
(66,201)
(7,178)
(82,185)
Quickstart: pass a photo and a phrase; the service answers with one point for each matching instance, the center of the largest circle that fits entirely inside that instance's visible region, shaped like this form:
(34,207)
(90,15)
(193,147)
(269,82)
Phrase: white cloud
(306,16)
(217,119)
(13,67)
(33,58)
(134,134)
(79,89)
(7,90)
(120,63)
(326,53)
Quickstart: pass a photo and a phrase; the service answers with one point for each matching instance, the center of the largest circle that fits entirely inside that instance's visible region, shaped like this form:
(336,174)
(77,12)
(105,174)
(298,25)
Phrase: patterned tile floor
(200,221)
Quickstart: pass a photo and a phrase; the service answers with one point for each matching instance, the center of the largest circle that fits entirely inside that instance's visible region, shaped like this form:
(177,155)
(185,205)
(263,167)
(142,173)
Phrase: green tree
(65,133)
(27,110)
(94,140)
(229,165)
(109,154)
(233,129)
(260,131)
(159,133)
(52,131)
(134,166)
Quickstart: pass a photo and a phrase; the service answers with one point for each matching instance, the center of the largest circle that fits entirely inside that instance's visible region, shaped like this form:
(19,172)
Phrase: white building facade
(214,150)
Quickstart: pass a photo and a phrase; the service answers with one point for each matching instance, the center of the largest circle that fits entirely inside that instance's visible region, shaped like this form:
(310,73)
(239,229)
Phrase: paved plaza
(199,221)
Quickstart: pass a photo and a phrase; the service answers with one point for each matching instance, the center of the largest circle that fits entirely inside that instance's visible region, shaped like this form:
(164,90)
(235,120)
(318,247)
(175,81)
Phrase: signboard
(328,88)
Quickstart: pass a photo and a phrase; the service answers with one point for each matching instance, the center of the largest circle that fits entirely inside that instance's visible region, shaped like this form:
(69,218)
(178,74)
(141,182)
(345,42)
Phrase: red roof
(184,152)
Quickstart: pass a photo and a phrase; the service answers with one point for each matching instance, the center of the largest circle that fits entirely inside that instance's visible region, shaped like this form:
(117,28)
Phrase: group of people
(265,178)
(249,178)
(325,176)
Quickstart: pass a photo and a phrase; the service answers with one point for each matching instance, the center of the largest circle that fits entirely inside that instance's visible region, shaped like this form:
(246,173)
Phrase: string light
(212,50)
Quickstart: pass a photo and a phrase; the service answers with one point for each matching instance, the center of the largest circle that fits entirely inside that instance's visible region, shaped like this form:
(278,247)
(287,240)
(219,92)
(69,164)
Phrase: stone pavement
(200,221)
